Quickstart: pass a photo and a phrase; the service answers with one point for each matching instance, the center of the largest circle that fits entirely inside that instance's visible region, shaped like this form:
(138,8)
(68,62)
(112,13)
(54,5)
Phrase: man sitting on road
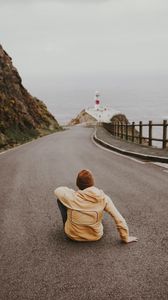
(82,210)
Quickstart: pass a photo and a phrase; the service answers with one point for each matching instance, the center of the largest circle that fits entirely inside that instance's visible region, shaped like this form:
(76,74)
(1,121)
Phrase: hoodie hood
(91,194)
(90,198)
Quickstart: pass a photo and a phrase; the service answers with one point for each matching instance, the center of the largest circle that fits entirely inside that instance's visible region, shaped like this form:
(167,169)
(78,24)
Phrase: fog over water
(139,97)
(65,50)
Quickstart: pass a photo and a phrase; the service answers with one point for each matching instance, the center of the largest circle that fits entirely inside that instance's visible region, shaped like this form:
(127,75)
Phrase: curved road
(38,262)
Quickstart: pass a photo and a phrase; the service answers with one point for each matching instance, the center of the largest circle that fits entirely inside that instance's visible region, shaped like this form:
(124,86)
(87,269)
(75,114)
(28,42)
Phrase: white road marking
(16,147)
(163,165)
(119,154)
(3,152)
(6,151)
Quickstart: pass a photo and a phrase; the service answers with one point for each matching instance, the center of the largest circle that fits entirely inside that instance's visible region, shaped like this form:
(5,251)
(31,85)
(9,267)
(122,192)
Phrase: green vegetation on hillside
(22,117)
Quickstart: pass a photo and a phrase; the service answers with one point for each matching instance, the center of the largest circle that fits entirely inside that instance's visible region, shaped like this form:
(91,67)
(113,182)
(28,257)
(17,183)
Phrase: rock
(83,117)
(22,116)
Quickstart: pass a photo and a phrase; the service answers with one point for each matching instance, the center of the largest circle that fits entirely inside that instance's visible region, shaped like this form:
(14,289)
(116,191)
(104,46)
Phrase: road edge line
(129,153)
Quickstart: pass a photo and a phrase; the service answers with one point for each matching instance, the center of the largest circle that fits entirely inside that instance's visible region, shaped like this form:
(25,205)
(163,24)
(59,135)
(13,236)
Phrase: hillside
(83,117)
(22,117)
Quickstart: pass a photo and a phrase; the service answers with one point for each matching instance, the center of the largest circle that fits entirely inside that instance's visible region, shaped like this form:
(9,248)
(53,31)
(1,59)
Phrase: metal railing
(134,132)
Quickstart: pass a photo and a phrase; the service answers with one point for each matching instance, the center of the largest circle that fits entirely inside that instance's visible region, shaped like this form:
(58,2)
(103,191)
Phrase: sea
(139,97)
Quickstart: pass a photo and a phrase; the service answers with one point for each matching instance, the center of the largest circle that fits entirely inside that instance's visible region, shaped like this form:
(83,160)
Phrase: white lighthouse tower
(97,100)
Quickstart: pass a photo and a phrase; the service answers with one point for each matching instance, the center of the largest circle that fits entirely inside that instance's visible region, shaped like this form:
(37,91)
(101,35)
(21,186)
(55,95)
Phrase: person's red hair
(84,179)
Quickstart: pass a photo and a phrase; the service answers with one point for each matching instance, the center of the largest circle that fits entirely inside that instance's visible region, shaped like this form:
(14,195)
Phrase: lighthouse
(97,100)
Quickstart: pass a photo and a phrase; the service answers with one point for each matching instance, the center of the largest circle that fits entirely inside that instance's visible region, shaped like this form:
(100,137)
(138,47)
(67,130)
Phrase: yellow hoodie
(85,212)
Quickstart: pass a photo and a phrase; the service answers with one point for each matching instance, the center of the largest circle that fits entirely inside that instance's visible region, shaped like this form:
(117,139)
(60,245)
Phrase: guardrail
(134,132)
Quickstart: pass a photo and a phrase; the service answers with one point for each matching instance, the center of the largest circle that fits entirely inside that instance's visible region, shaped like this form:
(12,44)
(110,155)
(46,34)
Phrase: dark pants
(63,211)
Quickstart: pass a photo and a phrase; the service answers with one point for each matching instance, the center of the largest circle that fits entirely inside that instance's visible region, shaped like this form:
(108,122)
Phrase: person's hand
(132,239)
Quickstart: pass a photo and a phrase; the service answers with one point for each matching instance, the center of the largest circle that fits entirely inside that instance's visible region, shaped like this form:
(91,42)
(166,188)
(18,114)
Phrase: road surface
(36,259)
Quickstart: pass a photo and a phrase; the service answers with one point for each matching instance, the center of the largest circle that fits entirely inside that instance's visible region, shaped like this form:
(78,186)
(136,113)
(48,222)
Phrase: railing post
(150,133)
(140,132)
(126,136)
(112,129)
(122,128)
(164,134)
(118,129)
(133,131)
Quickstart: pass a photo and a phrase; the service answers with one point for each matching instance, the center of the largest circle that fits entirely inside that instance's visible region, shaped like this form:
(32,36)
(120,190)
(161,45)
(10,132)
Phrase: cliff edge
(22,117)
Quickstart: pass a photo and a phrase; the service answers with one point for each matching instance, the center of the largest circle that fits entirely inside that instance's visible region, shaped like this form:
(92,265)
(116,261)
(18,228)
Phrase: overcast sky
(81,43)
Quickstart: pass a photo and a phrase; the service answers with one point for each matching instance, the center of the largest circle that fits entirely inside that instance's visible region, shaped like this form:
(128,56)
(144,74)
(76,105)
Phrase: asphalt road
(36,259)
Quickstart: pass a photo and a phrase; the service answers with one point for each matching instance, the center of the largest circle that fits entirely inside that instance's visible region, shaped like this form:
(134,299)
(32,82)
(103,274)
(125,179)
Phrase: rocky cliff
(83,117)
(22,117)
